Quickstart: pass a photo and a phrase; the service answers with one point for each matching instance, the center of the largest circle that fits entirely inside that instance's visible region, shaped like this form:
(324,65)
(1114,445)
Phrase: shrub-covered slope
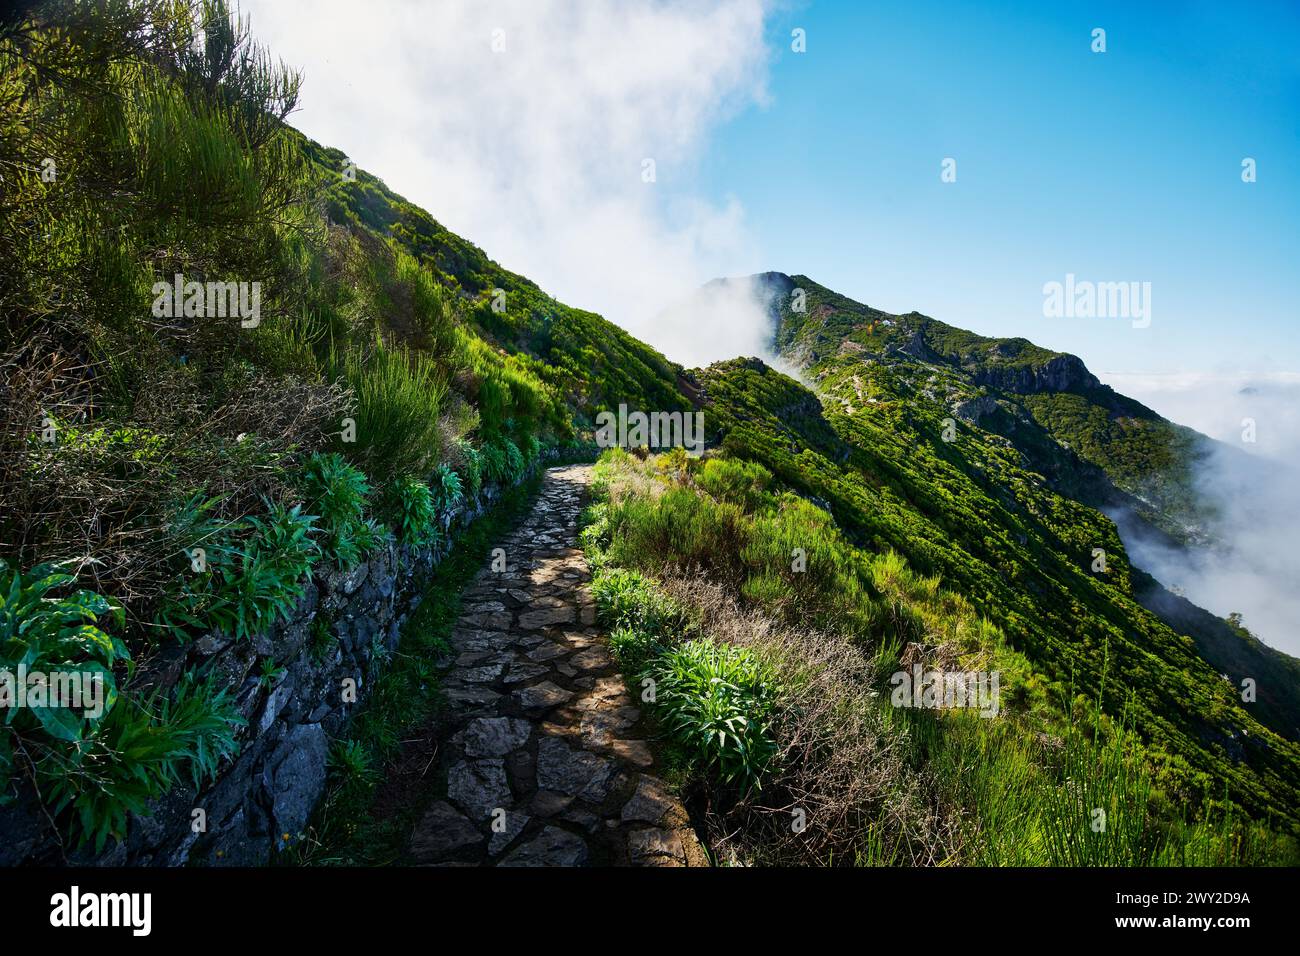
(774,644)
(593,363)
(228,361)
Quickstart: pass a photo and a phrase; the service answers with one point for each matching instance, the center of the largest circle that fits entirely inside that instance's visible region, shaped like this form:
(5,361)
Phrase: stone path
(546,761)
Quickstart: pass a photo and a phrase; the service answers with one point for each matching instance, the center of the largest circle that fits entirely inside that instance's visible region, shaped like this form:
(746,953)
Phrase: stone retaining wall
(270,789)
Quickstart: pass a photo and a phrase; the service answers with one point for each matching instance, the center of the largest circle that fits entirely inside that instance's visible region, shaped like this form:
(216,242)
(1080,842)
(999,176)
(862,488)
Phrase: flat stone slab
(572,772)
(592,659)
(478,787)
(494,736)
(442,832)
(488,620)
(553,847)
(475,696)
(655,847)
(532,620)
(546,652)
(520,672)
(485,674)
(635,752)
(651,803)
(514,823)
(542,696)
(602,724)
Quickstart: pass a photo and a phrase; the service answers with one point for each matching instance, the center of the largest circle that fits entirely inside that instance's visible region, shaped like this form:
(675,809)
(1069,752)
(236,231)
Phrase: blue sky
(1115,166)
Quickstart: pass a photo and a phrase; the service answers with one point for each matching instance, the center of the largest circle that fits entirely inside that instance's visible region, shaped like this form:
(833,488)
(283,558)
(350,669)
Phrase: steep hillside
(591,362)
(934,443)
(1059,415)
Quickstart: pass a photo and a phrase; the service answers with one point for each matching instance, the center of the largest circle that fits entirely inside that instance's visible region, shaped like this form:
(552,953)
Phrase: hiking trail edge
(544,750)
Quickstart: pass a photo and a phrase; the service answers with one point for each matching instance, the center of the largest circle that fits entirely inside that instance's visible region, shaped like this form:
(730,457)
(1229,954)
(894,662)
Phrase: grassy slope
(589,360)
(1141,453)
(882,784)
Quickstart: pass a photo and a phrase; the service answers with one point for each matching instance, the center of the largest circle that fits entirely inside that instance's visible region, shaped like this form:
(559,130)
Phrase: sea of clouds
(1255,569)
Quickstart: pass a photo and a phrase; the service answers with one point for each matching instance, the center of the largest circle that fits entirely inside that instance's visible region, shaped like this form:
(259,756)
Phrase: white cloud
(535,153)
(1217,404)
(1254,486)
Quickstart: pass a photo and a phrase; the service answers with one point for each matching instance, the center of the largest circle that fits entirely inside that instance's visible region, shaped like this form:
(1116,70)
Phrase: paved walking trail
(546,764)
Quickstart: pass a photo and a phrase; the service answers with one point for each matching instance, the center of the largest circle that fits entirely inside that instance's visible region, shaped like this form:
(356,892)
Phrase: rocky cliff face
(1063,373)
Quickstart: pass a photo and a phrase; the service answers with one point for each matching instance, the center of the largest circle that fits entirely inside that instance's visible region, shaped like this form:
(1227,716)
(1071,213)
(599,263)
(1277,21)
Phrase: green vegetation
(340,493)
(96,762)
(714,702)
(328,356)
(717,702)
(252,575)
(415,511)
(796,675)
(997,534)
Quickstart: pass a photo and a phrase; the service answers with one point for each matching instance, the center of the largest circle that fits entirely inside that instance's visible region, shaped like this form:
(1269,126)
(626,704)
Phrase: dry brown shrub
(840,761)
(107,504)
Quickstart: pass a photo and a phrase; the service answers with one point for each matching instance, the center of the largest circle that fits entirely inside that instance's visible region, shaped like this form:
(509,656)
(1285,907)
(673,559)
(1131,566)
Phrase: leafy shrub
(472,467)
(251,580)
(493,461)
(447,489)
(718,702)
(634,648)
(594,536)
(125,452)
(44,633)
(626,599)
(267,581)
(515,464)
(734,480)
(137,755)
(679,528)
(502,462)
(201,718)
(352,764)
(414,514)
(339,493)
(270,674)
(104,766)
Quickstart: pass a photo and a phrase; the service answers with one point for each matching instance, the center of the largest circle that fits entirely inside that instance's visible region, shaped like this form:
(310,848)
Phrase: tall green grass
(400,397)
